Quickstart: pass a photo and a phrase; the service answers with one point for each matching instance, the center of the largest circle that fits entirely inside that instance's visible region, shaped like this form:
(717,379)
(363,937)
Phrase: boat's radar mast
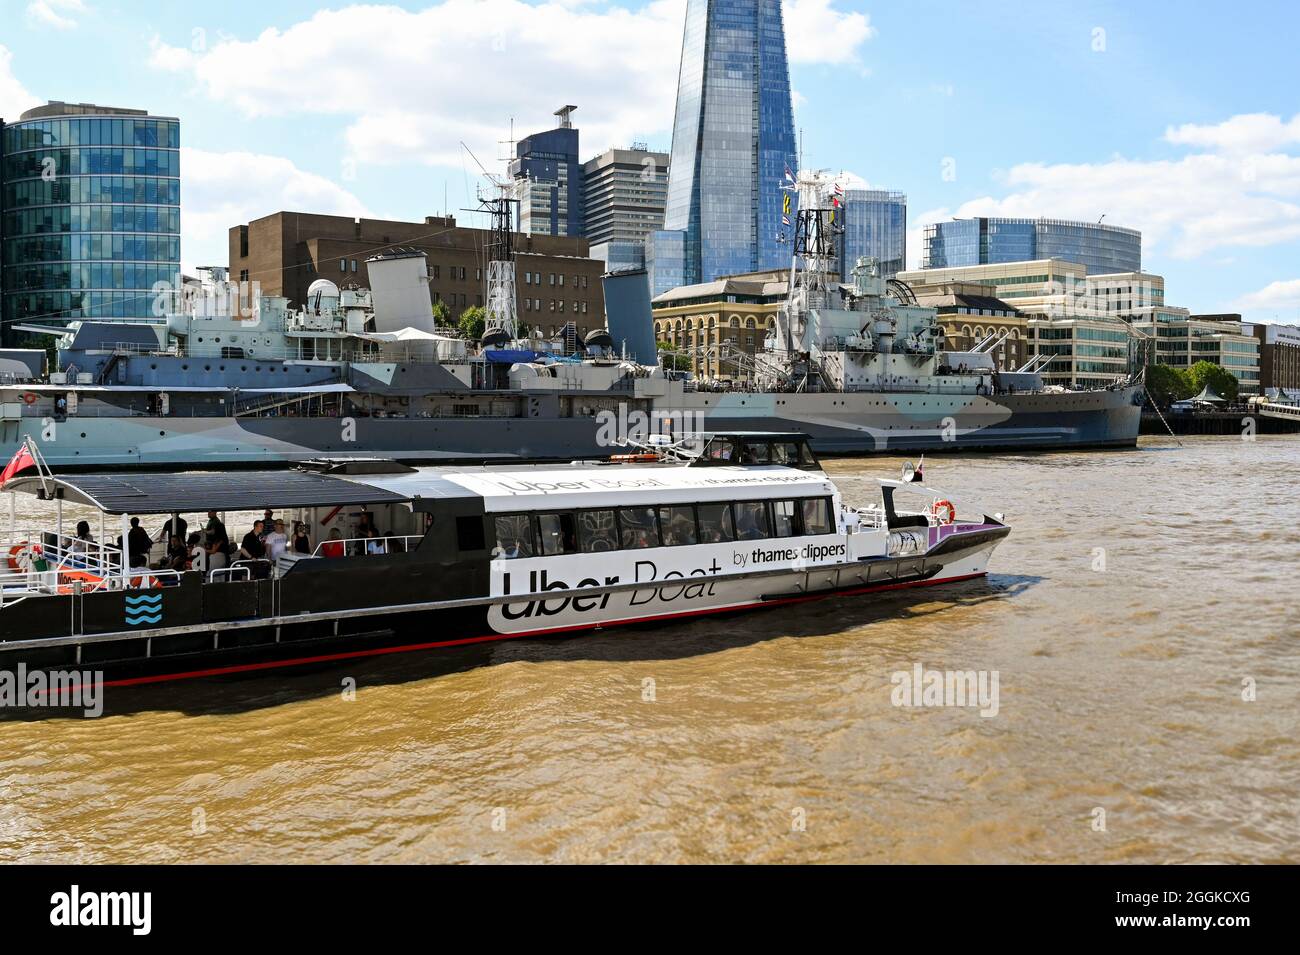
(817,224)
(501,320)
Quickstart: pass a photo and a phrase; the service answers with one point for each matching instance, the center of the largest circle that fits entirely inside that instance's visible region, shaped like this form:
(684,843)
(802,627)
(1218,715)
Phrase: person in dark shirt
(301,542)
(217,534)
(181,529)
(252,548)
(138,543)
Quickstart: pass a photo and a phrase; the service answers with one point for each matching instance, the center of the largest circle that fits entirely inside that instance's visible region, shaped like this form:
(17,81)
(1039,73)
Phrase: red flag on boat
(21,461)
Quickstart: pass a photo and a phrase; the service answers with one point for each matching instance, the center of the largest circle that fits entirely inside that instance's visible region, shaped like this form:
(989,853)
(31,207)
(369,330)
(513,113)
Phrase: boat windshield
(786,450)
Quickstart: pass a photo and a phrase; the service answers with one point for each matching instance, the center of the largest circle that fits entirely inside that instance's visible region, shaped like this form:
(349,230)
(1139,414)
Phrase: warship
(230,377)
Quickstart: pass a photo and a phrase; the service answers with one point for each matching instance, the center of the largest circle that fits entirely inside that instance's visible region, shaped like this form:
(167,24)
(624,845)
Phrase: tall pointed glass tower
(733,139)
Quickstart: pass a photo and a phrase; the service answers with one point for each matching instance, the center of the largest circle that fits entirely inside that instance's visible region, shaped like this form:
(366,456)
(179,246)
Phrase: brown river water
(1139,597)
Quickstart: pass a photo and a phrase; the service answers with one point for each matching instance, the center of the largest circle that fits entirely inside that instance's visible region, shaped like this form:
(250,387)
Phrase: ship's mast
(812,263)
(501,308)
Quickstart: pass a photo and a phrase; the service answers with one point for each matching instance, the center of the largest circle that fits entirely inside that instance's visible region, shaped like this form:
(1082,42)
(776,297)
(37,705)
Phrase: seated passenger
(177,554)
(301,542)
(374,544)
(334,546)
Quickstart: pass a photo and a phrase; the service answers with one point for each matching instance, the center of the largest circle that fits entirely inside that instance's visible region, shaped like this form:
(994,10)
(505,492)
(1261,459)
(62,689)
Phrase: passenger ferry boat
(439,557)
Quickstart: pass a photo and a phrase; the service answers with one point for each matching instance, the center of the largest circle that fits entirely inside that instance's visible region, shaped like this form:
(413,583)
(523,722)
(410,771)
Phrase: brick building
(285,252)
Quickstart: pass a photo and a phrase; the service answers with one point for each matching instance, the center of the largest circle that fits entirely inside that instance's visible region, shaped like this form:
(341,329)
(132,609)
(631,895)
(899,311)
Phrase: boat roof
(165,493)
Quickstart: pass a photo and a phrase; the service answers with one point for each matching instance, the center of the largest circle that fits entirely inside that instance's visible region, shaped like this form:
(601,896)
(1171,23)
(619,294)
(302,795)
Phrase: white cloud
(815,32)
(1247,133)
(14,97)
(1273,298)
(411,85)
(59,14)
(221,190)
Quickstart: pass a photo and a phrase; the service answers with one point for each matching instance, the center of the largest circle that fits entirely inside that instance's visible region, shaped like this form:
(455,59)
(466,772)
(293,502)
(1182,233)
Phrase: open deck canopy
(163,493)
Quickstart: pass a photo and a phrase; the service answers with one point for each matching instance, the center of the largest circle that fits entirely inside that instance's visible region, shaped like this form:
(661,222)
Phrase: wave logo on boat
(143,608)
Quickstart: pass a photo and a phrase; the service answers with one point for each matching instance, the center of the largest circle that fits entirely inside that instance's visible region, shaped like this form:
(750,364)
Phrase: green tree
(1166,384)
(671,360)
(1221,381)
(472,321)
(441,313)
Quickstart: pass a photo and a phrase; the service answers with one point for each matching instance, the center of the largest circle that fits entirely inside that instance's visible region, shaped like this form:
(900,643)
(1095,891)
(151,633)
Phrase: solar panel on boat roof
(153,493)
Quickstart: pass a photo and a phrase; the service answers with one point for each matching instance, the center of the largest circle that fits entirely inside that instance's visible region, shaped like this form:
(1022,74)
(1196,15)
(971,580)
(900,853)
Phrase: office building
(733,140)
(548,179)
(875,226)
(1279,356)
(624,191)
(91,214)
(557,282)
(989,241)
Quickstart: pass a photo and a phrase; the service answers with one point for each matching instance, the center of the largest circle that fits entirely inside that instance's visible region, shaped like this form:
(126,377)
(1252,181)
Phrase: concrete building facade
(624,192)
(556,280)
(1279,356)
(712,321)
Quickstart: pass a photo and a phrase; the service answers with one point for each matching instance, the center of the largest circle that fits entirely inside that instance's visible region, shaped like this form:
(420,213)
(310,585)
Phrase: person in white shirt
(277,542)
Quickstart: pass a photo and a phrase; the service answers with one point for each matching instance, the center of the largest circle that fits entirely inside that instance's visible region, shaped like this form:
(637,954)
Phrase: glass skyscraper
(875,226)
(89,213)
(1101,249)
(733,139)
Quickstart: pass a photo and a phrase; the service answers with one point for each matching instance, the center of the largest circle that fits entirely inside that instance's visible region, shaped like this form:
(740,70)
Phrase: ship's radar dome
(325,287)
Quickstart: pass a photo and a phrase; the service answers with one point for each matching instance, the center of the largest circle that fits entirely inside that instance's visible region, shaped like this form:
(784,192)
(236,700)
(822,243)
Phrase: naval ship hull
(867,423)
(849,423)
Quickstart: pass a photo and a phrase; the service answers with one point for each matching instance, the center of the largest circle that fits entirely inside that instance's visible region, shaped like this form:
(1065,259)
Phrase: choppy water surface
(1120,690)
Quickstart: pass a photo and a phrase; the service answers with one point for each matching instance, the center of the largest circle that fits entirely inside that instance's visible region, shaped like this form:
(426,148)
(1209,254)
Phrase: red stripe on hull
(465,641)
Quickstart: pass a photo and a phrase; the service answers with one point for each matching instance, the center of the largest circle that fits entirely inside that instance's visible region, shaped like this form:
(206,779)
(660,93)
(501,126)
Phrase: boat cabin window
(678,523)
(789,453)
(559,534)
(817,516)
(668,525)
(599,531)
(515,535)
(738,449)
(716,525)
(469,532)
(751,521)
(638,527)
(785,518)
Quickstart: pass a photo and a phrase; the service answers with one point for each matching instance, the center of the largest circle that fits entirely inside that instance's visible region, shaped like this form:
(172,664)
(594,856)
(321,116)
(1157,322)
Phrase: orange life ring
(30,398)
(144,582)
(634,457)
(17,550)
(950,511)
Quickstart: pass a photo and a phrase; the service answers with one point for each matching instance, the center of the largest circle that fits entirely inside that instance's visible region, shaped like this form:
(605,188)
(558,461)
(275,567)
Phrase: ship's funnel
(631,321)
(399,286)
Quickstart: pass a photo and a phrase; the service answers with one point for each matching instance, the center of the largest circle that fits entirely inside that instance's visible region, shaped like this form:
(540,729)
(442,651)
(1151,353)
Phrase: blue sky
(1181,119)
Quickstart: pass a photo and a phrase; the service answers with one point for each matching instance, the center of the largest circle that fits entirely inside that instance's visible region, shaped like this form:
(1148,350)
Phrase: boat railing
(222,575)
(366,546)
(871,517)
(40,567)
